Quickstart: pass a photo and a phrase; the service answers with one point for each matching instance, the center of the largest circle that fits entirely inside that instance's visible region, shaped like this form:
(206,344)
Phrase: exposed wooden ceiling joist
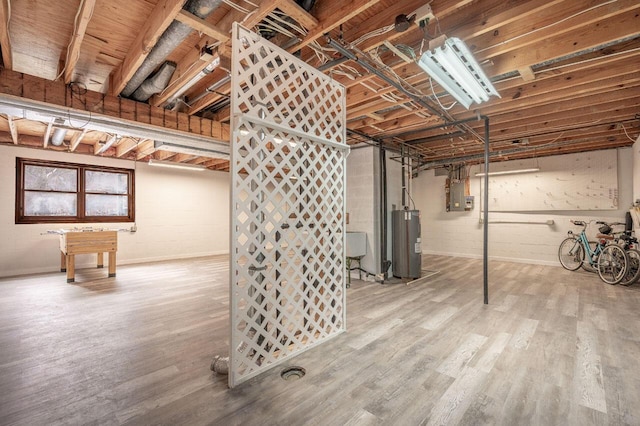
(73,50)
(5,39)
(163,14)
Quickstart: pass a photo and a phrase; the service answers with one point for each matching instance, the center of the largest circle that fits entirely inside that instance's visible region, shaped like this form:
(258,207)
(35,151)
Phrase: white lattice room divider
(287,274)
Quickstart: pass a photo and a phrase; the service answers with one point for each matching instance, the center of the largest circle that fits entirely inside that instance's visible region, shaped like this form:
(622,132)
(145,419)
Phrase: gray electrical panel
(407,245)
(457,199)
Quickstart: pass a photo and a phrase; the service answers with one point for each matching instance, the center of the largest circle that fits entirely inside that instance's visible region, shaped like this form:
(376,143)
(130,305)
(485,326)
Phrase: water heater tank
(406,247)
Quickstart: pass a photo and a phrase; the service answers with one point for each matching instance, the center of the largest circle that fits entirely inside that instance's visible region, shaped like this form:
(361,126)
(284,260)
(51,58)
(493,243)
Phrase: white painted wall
(636,169)
(179,213)
(460,233)
(360,202)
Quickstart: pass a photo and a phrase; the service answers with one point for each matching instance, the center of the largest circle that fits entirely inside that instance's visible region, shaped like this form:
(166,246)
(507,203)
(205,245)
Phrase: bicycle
(609,260)
(629,245)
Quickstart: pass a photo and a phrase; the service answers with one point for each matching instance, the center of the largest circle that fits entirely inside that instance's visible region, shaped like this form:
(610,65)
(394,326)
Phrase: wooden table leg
(112,264)
(63,262)
(71,268)
(100,260)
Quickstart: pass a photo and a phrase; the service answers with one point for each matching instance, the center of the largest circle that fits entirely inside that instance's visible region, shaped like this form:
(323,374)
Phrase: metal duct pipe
(58,136)
(173,36)
(156,83)
(189,84)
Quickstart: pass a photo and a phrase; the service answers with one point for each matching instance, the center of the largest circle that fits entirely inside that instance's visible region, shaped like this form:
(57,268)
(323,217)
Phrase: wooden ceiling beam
(609,30)
(76,139)
(187,69)
(331,14)
(5,39)
(202,26)
(73,50)
(125,146)
(145,148)
(47,134)
(224,25)
(13,129)
(161,17)
(563,18)
(299,15)
(55,93)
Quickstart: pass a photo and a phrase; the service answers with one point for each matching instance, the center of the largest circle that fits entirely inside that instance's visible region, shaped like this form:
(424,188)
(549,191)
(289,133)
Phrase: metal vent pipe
(173,36)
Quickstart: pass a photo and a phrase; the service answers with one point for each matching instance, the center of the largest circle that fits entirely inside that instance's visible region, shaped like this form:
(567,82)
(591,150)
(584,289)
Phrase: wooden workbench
(87,242)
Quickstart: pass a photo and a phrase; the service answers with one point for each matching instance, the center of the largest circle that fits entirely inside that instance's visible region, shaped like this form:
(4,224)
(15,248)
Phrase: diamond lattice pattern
(287,269)
(280,88)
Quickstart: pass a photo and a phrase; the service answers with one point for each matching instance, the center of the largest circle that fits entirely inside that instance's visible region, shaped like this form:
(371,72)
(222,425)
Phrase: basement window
(55,192)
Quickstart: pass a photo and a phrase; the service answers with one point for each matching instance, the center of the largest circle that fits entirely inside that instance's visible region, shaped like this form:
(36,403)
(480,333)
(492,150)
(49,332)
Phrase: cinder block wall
(460,233)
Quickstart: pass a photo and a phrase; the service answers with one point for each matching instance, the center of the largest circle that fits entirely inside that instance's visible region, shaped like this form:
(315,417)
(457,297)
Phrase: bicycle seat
(578,222)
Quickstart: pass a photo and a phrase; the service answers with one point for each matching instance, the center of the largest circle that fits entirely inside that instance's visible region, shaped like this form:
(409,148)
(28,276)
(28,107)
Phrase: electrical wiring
(236,6)
(73,35)
(625,132)
(502,43)
(374,33)
(8,21)
(279,17)
(437,99)
(369,87)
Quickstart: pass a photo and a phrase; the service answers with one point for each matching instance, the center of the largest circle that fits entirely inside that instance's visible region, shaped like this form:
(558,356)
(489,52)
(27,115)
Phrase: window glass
(106,205)
(106,182)
(50,204)
(50,178)
(56,192)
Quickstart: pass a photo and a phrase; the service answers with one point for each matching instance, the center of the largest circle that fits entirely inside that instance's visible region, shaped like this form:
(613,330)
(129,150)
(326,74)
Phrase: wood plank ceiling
(567,71)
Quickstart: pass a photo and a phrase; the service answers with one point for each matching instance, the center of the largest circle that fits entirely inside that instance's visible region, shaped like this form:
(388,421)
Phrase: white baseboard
(92,264)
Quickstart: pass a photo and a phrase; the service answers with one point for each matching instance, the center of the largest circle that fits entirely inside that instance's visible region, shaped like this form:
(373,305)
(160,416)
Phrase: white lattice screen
(287,285)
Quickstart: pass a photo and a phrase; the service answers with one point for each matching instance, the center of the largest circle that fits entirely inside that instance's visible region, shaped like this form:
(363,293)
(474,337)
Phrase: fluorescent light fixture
(509,172)
(184,166)
(453,66)
(201,149)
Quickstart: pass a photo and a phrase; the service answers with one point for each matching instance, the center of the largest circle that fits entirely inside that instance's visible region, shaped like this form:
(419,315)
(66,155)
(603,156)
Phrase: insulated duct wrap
(156,83)
(173,36)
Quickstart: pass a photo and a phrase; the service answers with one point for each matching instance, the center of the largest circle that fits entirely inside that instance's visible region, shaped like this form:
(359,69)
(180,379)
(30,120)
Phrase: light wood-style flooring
(553,347)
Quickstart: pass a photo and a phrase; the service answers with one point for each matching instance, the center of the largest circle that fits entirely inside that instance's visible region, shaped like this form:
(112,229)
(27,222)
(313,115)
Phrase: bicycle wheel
(612,264)
(633,270)
(586,265)
(571,254)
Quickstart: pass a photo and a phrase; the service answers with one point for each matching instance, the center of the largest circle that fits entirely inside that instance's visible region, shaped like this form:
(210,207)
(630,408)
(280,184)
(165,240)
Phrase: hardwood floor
(552,347)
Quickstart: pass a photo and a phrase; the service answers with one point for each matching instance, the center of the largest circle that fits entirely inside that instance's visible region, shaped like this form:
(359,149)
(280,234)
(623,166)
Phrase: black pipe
(384,262)
(485,246)
(372,69)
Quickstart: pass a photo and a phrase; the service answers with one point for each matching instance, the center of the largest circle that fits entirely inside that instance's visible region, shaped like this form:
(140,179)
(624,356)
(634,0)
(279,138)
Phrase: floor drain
(293,373)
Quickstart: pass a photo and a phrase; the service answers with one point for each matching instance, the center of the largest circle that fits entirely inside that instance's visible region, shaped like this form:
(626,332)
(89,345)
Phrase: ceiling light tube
(454,68)
(183,166)
(201,150)
(509,172)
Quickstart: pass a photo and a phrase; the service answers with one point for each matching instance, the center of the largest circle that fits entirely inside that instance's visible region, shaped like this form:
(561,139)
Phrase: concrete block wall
(460,233)
(636,169)
(179,214)
(360,201)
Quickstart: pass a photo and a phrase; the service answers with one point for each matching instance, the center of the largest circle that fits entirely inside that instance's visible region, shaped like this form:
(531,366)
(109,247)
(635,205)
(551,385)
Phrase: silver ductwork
(156,83)
(173,36)
(57,137)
